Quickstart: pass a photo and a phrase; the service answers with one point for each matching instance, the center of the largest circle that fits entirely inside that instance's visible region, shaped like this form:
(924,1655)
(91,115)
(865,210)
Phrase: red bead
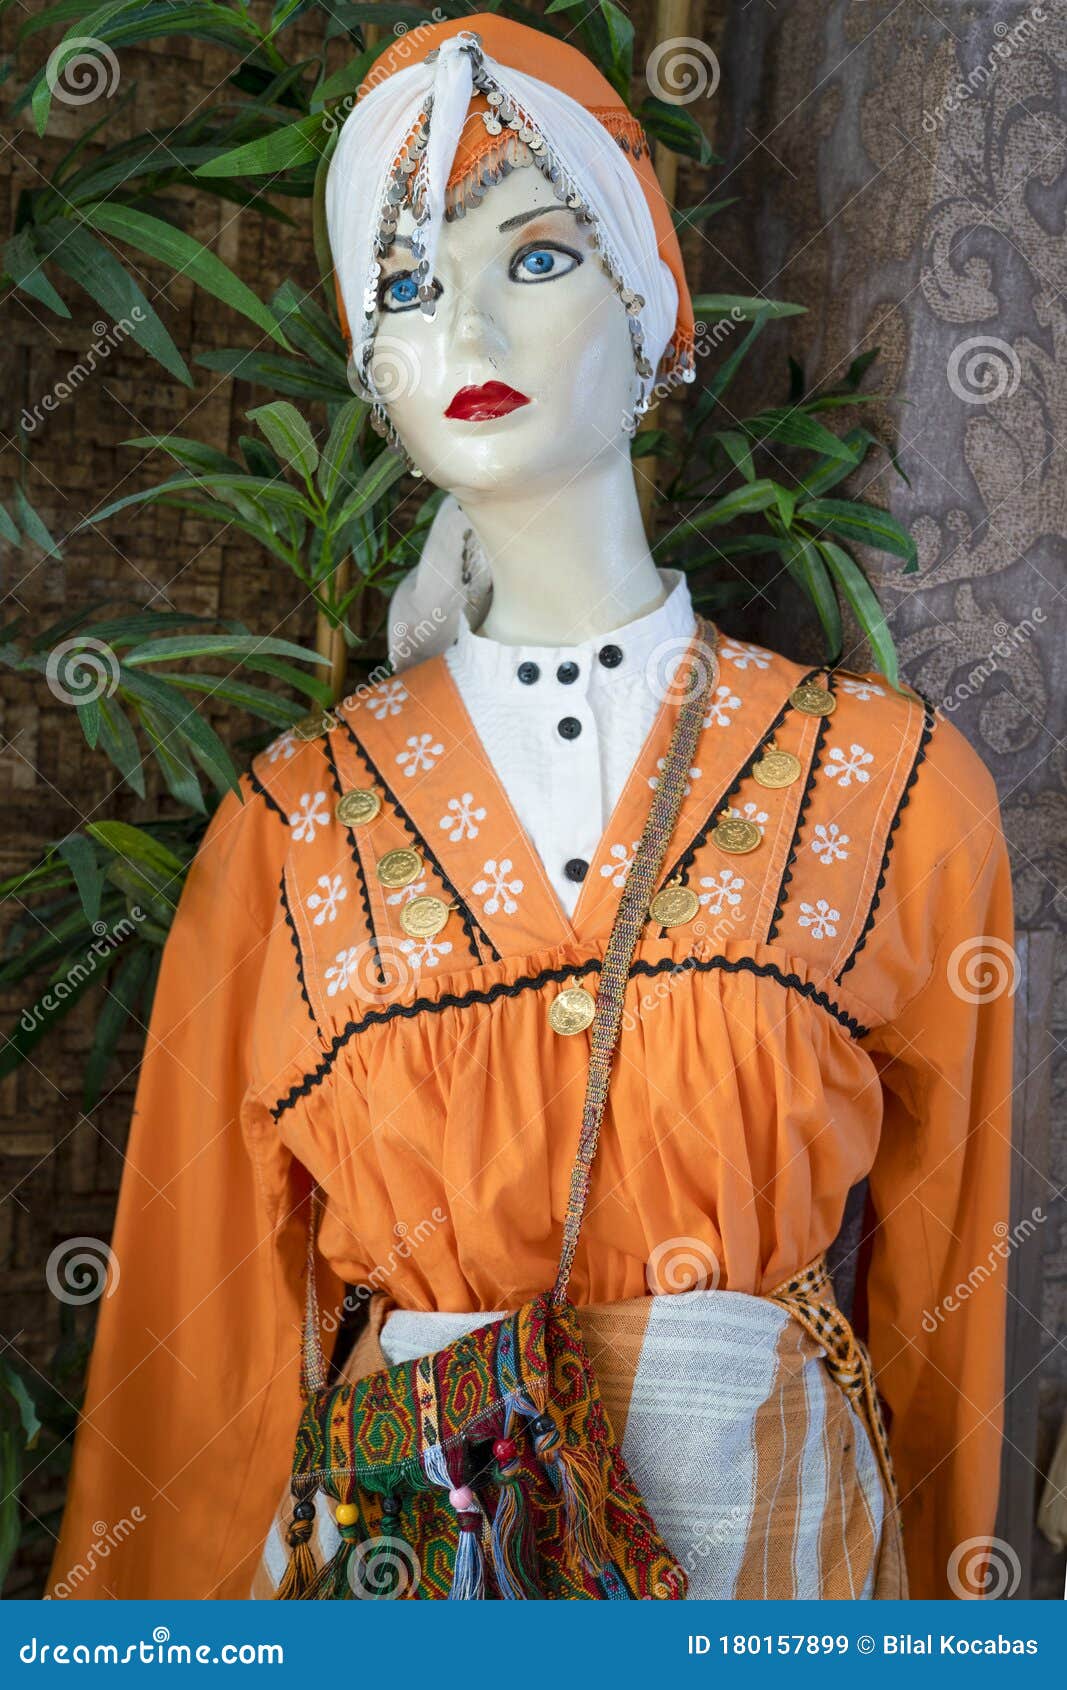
(505,1450)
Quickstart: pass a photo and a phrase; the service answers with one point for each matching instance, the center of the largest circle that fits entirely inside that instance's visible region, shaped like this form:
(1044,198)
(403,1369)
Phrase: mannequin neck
(569,563)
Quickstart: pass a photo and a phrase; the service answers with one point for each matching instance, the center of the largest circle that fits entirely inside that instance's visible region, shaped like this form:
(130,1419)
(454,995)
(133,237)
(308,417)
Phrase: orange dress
(839,1008)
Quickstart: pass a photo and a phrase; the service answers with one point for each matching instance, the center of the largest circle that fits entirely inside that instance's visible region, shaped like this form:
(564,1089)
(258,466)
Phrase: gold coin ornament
(776,768)
(359,806)
(400,867)
(673,905)
(736,835)
(572,1010)
(423,917)
(813,699)
(310,727)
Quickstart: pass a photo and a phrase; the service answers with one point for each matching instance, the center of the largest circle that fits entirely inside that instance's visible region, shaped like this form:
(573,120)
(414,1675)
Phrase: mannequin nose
(477,331)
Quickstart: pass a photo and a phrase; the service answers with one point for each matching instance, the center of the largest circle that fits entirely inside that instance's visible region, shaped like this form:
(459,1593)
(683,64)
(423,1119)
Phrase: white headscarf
(371,140)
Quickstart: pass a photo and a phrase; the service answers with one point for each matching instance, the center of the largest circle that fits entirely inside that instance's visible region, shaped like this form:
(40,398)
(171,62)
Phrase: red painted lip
(491,399)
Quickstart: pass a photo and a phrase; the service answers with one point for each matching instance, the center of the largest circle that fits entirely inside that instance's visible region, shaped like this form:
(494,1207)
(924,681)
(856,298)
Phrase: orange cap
(568,70)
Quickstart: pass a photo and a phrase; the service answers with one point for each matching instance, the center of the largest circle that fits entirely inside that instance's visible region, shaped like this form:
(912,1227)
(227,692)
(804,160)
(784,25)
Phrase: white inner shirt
(564,786)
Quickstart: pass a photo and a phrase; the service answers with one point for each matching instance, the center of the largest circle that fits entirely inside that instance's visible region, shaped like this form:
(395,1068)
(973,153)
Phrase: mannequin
(362,987)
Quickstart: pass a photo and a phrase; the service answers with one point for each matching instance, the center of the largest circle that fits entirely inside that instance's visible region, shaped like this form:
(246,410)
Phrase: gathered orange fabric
(820,1020)
(571,72)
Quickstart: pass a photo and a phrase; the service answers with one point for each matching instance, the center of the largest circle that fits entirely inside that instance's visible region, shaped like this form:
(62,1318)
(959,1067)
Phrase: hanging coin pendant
(399,868)
(736,835)
(423,917)
(572,1011)
(812,699)
(674,905)
(776,768)
(358,806)
(310,727)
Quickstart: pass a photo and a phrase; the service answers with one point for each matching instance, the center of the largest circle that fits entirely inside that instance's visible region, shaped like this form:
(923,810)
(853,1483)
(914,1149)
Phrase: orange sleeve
(937,1281)
(185,1439)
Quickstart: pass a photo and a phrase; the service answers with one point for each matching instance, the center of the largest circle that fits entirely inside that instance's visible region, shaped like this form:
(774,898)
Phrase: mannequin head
(521,300)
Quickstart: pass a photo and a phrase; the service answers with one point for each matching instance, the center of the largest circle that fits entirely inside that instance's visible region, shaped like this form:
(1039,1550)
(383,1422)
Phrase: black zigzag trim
(700,839)
(295,937)
(532,982)
(794,847)
(360,875)
(467,919)
(267,796)
(929,718)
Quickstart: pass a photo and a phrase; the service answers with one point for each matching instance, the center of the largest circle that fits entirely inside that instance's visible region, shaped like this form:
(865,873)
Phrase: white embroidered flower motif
(341,971)
(653,780)
(404,894)
(422,755)
(829,843)
(425,952)
(622,861)
(283,746)
(462,818)
(853,767)
(725,887)
(719,710)
(387,699)
(820,918)
(750,813)
(502,891)
(862,689)
(741,654)
(310,815)
(325,902)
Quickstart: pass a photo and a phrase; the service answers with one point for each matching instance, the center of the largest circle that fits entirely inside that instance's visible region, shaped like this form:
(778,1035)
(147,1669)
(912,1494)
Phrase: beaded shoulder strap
(630,917)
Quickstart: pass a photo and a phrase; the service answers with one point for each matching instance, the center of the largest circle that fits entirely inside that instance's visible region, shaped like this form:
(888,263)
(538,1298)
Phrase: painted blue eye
(399,293)
(543,263)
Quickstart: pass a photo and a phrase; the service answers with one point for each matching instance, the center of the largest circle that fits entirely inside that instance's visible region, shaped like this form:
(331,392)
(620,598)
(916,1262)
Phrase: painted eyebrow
(515,222)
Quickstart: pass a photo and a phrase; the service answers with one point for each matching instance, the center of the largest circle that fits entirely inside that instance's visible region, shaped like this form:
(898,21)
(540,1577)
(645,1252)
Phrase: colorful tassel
(331,1582)
(300,1568)
(468,1575)
(580,1480)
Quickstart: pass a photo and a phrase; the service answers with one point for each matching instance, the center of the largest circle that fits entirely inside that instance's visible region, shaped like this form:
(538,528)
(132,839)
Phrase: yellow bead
(347,1514)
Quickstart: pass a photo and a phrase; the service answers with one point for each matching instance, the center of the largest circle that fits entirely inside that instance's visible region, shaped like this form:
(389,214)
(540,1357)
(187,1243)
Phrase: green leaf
(283,375)
(742,501)
(32,526)
(13,1383)
(135,845)
(289,435)
(794,428)
(297,143)
(24,265)
(191,454)
(89,263)
(121,995)
(801,558)
(742,307)
(185,256)
(387,467)
(866,525)
(338,449)
(786,505)
(676,128)
(184,720)
(859,367)
(220,645)
(8,531)
(868,611)
(119,742)
(738,450)
(179,773)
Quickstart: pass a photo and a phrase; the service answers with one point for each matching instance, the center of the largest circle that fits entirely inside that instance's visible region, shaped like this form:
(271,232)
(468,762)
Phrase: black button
(610,656)
(570,727)
(567,672)
(576,869)
(528,673)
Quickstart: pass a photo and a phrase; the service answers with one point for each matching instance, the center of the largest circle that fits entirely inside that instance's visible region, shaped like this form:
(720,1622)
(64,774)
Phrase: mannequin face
(527,307)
